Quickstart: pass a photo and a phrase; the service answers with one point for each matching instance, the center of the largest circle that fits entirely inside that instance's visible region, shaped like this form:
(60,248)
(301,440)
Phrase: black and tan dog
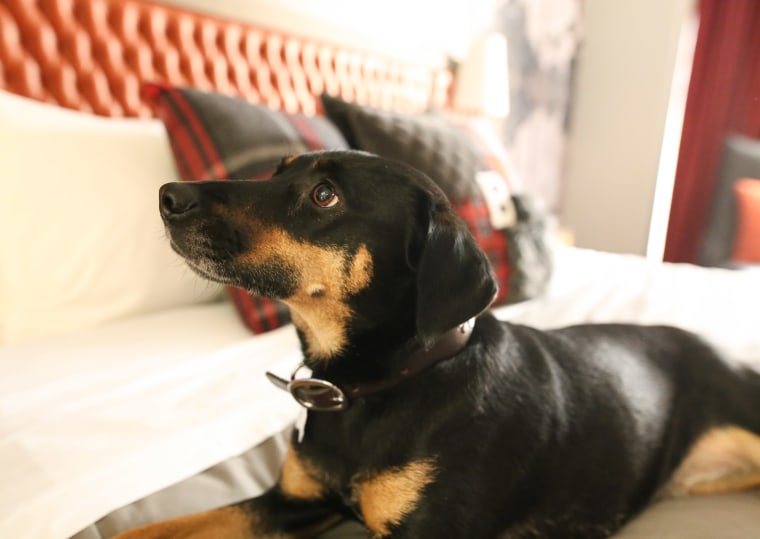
(444,430)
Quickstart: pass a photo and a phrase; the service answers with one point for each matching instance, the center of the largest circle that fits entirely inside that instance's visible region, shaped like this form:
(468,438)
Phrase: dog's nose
(177,200)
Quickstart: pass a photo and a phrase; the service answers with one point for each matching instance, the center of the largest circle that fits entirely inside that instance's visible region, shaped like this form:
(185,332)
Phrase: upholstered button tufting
(94,55)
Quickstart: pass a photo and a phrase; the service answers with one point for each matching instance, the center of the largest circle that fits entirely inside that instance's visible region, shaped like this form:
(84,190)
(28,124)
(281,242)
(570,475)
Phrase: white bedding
(721,305)
(96,420)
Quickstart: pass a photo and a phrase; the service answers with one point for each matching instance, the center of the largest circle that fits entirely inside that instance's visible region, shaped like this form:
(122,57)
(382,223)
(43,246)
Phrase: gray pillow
(428,141)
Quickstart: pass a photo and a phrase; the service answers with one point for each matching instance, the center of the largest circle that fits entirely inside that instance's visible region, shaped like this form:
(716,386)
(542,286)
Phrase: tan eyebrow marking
(323,163)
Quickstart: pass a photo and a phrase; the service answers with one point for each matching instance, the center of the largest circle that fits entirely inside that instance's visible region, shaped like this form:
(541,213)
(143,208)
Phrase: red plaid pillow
(212,136)
(449,153)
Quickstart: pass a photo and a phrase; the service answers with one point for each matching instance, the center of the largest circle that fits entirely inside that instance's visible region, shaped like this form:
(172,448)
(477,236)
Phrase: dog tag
(501,210)
(300,424)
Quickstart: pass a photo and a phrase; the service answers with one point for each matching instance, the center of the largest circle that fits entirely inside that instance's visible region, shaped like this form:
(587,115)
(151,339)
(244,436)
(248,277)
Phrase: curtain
(723,98)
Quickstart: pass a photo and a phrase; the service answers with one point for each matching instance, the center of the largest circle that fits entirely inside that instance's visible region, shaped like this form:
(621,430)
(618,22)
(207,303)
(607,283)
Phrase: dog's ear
(455,280)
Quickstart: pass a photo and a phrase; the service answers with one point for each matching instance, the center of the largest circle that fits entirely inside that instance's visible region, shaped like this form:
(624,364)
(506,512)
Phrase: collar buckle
(312,393)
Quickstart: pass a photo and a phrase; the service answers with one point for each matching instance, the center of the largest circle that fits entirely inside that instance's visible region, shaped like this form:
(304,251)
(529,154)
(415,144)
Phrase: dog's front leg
(272,515)
(298,506)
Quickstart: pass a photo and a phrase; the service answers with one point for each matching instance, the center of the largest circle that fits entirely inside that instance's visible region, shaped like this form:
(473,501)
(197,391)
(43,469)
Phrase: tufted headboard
(94,55)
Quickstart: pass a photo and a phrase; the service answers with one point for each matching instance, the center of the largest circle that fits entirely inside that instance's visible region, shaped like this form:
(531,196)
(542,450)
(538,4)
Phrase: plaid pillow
(444,151)
(528,245)
(214,136)
(474,212)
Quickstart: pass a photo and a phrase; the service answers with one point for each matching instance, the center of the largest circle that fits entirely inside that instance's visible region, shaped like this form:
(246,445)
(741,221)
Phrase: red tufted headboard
(93,55)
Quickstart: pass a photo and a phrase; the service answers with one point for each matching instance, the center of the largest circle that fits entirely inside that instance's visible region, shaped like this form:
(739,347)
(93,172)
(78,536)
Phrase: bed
(130,389)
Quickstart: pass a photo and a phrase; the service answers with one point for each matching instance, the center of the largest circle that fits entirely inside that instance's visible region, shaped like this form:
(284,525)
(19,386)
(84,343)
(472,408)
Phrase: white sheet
(721,305)
(96,420)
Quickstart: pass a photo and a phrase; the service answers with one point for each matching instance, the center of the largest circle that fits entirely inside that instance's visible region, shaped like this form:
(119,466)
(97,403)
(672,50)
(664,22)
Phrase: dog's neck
(384,355)
(444,347)
(320,394)
(355,337)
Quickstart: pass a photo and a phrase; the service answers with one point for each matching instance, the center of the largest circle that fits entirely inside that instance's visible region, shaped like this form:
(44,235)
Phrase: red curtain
(723,98)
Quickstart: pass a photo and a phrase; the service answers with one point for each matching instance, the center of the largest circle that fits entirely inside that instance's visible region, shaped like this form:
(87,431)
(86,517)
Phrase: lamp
(482,82)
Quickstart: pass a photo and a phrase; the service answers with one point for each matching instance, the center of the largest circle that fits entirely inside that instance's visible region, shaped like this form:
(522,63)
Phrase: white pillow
(81,240)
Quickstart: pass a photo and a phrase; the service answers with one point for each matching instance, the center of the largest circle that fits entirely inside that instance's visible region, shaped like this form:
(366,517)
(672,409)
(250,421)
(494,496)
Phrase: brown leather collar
(449,344)
(321,395)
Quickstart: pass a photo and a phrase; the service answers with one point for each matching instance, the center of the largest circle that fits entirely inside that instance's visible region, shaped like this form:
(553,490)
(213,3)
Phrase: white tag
(498,199)
(300,424)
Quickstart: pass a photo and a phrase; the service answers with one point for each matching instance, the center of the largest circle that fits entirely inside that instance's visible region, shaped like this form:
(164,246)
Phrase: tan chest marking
(389,496)
(724,459)
(299,479)
(326,277)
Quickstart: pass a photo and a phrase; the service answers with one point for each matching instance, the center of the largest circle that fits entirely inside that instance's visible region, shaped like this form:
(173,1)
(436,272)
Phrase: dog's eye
(324,196)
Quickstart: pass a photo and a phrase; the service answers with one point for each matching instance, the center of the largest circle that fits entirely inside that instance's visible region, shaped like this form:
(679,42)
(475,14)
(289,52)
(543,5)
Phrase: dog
(427,417)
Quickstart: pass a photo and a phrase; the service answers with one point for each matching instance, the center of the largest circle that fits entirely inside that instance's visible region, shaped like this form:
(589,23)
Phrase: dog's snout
(178,200)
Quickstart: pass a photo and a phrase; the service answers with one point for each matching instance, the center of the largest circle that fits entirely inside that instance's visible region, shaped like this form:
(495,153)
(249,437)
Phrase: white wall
(417,30)
(618,117)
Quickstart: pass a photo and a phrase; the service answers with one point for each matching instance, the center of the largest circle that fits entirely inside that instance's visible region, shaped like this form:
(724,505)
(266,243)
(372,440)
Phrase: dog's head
(350,241)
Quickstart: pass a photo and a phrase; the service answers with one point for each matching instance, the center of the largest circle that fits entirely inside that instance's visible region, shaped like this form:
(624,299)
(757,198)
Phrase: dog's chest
(374,477)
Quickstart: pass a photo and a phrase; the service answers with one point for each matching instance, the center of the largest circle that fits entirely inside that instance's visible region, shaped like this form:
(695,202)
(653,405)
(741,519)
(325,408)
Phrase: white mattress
(96,420)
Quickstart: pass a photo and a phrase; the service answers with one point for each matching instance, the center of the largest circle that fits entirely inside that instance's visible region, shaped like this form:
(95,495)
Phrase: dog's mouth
(218,262)
(210,270)
(201,257)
